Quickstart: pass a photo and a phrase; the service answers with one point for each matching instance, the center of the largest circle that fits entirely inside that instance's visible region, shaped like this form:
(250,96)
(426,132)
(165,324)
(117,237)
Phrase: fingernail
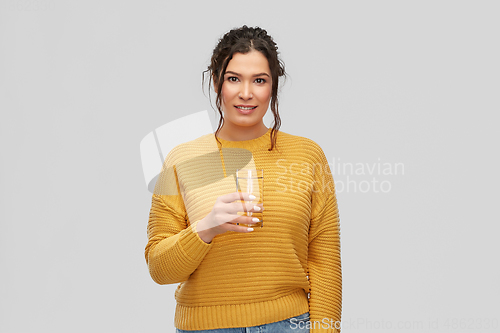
(257,208)
(250,229)
(252,197)
(255,219)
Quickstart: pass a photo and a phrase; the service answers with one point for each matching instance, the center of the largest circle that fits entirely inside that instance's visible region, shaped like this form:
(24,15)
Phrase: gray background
(410,82)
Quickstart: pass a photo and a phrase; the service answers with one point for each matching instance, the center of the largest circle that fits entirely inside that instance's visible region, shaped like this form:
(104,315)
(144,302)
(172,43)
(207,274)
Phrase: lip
(244,111)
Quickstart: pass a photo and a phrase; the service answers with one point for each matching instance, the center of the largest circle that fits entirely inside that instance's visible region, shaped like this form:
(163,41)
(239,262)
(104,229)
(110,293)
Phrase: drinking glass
(252,181)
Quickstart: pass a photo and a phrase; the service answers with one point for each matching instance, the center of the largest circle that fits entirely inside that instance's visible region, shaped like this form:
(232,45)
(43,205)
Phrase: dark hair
(244,40)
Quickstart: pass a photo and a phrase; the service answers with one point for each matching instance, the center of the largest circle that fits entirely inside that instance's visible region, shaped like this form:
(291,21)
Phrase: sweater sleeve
(324,261)
(174,249)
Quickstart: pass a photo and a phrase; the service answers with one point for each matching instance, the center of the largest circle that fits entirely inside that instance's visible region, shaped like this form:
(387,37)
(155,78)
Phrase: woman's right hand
(224,214)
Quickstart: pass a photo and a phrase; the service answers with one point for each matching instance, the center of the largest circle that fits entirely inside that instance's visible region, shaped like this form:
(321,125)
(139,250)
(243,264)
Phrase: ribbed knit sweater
(290,266)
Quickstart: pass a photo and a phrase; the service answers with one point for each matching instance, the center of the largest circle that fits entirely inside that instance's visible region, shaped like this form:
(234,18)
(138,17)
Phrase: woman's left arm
(324,260)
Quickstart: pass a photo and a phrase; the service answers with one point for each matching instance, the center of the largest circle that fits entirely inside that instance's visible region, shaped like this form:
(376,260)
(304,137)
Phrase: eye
(262,80)
(231,78)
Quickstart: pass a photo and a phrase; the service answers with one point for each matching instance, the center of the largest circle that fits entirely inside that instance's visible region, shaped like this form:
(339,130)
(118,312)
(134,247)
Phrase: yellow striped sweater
(290,266)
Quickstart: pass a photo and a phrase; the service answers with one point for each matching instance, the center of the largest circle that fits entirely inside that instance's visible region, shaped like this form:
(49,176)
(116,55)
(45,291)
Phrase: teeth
(246,108)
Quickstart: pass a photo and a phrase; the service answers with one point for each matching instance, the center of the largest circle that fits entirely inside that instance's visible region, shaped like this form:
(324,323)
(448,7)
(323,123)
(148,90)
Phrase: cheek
(227,92)
(265,94)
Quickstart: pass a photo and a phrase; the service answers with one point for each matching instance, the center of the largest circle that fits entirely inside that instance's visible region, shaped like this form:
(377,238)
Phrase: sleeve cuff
(192,244)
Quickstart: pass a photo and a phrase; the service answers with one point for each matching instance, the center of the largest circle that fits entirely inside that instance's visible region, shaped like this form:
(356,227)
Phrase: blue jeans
(291,325)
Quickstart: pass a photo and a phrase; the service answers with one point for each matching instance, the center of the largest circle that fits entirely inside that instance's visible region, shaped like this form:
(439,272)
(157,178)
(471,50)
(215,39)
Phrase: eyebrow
(260,74)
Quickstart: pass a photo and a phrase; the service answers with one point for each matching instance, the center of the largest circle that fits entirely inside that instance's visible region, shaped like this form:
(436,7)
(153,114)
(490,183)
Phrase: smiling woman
(245,67)
(246,93)
(233,277)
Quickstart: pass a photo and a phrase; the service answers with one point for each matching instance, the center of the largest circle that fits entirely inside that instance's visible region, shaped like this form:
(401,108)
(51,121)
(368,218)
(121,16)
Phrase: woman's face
(247,84)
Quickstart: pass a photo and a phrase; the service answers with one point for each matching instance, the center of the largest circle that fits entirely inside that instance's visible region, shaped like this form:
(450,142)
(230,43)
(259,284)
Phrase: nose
(246,91)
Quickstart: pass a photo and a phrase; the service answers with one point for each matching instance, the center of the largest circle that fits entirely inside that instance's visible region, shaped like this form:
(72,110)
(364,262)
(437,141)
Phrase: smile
(246,107)
(246,110)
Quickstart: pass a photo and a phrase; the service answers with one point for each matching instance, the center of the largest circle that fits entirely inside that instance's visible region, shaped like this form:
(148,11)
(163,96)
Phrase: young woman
(283,277)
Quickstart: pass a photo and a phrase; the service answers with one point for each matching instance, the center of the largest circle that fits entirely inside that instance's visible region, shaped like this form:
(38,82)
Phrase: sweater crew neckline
(251,144)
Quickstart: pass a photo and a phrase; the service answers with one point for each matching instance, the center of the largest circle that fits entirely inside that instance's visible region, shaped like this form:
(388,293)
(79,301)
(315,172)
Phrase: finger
(251,220)
(245,207)
(239,228)
(246,220)
(257,207)
(231,197)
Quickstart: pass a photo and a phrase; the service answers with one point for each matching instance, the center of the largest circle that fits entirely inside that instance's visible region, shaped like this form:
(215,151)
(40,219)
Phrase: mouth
(245,109)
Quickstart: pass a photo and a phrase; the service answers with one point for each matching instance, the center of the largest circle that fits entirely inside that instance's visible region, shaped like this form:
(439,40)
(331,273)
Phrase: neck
(241,133)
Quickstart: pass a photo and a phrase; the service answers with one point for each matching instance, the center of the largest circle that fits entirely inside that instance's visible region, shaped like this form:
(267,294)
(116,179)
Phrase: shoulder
(191,149)
(201,141)
(287,137)
(302,143)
